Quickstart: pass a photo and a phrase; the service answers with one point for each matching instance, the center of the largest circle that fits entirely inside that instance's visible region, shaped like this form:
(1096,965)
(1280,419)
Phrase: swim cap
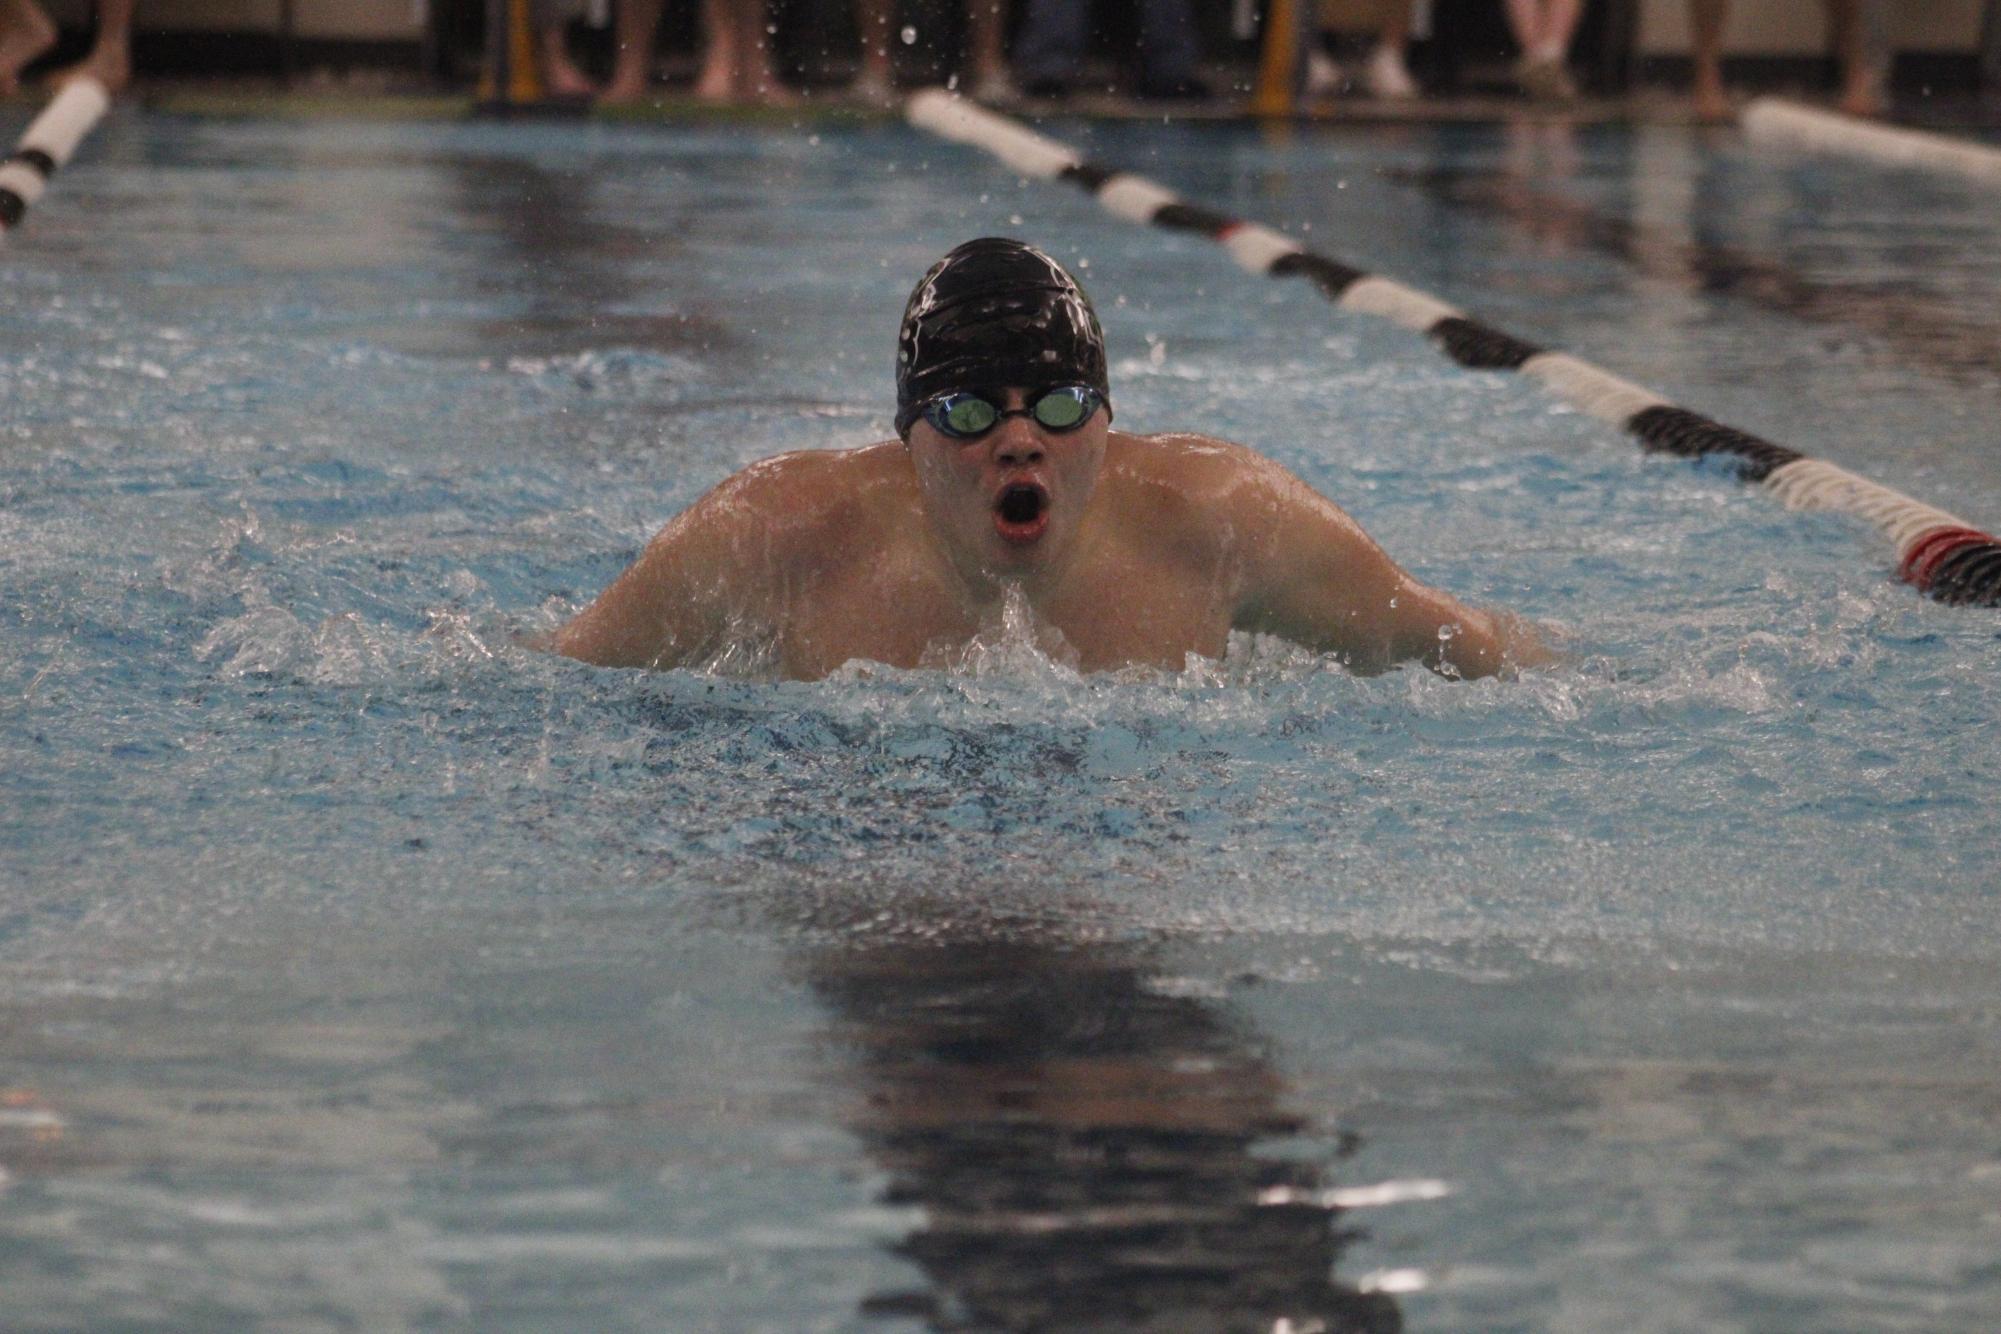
(995,313)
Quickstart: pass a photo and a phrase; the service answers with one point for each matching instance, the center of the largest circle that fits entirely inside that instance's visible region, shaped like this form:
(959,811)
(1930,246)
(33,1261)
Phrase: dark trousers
(1990,49)
(1055,37)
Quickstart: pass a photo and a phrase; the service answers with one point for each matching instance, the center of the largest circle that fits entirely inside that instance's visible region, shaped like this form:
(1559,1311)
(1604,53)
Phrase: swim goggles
(968,416)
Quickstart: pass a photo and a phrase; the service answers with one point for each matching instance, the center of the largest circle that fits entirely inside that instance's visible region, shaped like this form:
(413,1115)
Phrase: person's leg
(716,82)
(876,81)
(110,58)
(1861,69)
(1394,30)
(1706,18)
(1559,26)
(1324,75)
(1525,23)
(633,32)
(1990,50)
(986,54)
(1169,49)
(1543,29)
(560,75)
(25,32)
(1387,74)
(758,75)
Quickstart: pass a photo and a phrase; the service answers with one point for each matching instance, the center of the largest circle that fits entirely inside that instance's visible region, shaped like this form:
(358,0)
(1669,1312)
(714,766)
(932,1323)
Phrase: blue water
(361,968)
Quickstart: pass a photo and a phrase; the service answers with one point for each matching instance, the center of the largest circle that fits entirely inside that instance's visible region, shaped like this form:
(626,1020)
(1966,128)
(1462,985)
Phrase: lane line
(1781,123)
(46,145)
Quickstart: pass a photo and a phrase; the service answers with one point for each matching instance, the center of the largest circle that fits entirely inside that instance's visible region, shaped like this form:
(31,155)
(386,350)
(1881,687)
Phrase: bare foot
(1712,104)
(560,75)
(873,90)
(626,91)
(767,91)
(25,32)
(110,63)
(1545,79)
(995,88)
(1862,97)
(717,82)
(631,81)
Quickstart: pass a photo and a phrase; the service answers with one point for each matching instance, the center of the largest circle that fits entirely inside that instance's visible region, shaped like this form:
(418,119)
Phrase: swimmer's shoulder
(1181,494)
(1199,473)
(1216,501)
(814,497)
(809,474)
(807,481)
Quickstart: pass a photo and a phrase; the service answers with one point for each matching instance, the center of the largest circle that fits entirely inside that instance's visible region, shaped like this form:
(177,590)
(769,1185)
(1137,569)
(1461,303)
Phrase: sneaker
(1386,76)
(1324,78)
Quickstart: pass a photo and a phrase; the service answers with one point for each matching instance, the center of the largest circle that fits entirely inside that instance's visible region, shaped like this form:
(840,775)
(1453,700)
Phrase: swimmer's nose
(1016,443)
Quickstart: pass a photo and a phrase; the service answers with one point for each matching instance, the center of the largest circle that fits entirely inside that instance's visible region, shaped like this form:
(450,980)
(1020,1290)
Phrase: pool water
(363,968)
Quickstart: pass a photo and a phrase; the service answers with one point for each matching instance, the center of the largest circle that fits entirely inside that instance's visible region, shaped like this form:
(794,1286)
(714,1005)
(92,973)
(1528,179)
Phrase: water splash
(1013,642)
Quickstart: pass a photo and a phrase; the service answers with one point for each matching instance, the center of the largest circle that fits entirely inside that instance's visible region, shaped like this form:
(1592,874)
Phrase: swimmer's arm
(1316,578)
(672,606)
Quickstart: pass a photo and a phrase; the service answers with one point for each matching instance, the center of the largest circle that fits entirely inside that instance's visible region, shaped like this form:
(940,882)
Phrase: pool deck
(372,98)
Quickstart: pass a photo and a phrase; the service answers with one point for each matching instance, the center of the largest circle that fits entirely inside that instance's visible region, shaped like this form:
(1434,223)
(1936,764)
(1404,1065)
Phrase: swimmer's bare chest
(1103,621)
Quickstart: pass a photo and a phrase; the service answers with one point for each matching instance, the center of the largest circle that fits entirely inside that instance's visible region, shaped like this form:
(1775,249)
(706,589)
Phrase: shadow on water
(568,275)
(1083,1141)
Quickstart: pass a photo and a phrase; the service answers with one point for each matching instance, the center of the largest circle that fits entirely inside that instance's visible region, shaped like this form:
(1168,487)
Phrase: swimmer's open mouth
(1021,512)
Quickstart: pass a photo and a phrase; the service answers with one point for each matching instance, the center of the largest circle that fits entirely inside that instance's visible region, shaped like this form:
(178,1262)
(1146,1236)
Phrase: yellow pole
(1277,87)
(524,82)
(512,76)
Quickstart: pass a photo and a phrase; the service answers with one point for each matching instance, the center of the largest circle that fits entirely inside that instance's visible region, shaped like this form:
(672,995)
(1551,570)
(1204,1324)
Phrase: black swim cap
(995,314)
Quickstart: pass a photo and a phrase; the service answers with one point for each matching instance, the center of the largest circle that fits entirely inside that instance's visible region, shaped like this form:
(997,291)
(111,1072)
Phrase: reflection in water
(1925,332)
(568,276)
(1082,1138)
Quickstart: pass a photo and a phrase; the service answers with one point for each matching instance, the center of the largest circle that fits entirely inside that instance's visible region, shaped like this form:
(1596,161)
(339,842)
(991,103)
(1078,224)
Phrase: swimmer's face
(1011,500)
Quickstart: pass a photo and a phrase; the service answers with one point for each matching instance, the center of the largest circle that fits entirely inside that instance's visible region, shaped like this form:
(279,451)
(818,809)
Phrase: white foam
(1394,1281)
(1360,1197)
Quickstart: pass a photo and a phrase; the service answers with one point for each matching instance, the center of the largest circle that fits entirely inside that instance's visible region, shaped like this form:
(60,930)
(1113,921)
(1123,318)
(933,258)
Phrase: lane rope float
(46,145)
(1941,555)
(1784,124)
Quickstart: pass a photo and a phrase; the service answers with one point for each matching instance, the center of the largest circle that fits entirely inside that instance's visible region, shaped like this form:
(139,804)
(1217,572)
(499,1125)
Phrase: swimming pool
(361,968)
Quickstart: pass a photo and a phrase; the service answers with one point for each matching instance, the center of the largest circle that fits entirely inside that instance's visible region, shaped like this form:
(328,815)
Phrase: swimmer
(1008,489)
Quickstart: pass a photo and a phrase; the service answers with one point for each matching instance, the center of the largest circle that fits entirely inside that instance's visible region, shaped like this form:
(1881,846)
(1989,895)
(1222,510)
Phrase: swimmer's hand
(1523,643)
(1472,643)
